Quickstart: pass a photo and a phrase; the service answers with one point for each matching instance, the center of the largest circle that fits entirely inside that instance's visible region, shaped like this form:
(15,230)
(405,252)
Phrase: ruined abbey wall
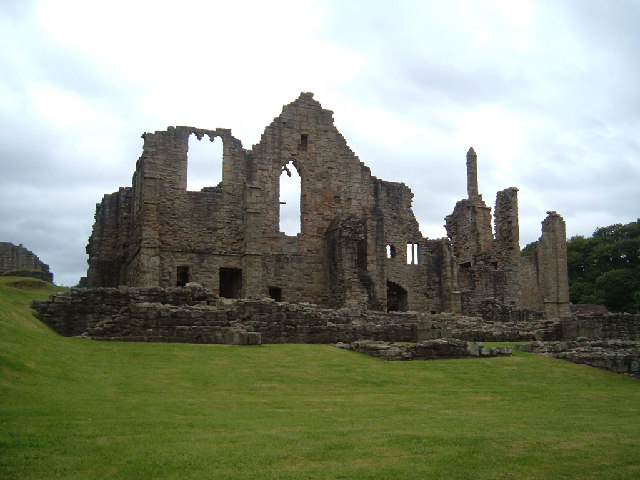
(227,237)
(490,264)
(15,258)
(544,274)
(359,243)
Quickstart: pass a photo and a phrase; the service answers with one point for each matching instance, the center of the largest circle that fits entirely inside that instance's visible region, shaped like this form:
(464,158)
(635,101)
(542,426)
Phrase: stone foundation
(441,348)
(619,356)
(194,315)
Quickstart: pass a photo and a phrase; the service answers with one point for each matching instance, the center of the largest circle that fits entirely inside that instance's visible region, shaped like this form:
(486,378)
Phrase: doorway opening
(397,298)
(230,282)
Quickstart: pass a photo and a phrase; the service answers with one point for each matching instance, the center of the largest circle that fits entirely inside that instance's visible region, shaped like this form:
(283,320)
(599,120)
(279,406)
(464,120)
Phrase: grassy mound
(29,284)
(78,409)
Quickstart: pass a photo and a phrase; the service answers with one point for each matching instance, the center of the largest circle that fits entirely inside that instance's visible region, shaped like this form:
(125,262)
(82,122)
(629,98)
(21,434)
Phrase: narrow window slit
(412,254)
(391,251)
(290,198)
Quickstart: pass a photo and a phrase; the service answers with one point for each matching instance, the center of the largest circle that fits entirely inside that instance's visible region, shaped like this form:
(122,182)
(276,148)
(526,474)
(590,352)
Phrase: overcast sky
(547,93)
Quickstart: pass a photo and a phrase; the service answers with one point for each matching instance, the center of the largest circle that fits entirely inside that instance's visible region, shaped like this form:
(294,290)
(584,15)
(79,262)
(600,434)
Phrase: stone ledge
(619,356)
(441,348)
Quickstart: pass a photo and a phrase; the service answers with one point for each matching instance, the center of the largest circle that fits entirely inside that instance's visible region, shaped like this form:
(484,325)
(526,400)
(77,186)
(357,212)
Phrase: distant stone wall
(18,260)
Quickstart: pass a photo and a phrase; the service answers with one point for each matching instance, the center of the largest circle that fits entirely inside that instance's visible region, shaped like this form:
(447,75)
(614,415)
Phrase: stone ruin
(212,266)
(17,260)
(359,242)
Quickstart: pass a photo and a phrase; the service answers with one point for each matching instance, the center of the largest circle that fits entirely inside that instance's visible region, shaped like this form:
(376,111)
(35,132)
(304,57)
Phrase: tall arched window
(290,194)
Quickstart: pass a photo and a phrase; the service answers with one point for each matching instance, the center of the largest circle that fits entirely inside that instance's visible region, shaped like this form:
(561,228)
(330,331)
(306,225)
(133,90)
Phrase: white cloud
(546,92)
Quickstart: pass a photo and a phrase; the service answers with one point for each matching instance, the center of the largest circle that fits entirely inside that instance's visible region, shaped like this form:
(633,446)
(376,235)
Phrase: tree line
(605,268)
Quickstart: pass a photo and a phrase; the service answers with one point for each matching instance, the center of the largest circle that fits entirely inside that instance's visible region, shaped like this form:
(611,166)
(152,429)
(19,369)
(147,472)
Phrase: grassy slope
(74,408)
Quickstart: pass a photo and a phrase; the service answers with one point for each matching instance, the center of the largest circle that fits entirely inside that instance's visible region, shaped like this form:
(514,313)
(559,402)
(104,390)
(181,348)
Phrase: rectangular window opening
(412,254)
(304,141)
(182,276)
(204,162)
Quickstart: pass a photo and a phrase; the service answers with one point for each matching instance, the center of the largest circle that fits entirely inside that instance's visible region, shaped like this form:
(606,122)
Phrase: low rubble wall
(195,315)
(622,326)
(442,348)
(477,329)
(620,356)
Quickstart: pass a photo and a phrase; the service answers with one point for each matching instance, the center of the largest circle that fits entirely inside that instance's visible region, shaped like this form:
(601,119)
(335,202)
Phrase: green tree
(618,288)
(528,250)
(605,269)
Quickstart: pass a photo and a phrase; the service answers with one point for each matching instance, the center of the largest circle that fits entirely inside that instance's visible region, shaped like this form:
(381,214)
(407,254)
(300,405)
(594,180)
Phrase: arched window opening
(204,163)
(290,195)
(391,251)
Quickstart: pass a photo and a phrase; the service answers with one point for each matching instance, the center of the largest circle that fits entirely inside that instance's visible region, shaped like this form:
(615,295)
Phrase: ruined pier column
(472,173)
(552,266)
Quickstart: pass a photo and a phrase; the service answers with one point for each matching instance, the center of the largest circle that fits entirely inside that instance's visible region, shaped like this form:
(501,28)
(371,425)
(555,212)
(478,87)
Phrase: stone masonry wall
(359,243)
(108,243)
(193,314)
(544,276)
(227,237)
(603,326)
(491,268)
(16,257)
(506,247)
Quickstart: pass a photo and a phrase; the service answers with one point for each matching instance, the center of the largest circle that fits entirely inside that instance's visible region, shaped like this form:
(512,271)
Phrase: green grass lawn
(79,409)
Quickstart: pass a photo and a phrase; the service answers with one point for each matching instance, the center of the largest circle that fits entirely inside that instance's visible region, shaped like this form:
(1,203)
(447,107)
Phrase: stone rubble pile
(425,350)
(620,356)
(194,315)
